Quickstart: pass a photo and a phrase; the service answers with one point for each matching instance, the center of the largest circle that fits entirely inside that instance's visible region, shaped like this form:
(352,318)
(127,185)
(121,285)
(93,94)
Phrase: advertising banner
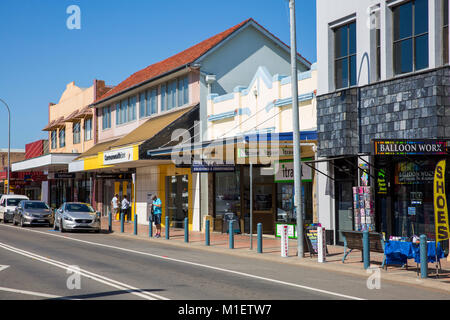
(440,203)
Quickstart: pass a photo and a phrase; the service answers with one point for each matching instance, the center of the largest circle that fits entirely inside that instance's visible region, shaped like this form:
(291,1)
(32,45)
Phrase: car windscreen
(36,205)
(13,202)
(79,207)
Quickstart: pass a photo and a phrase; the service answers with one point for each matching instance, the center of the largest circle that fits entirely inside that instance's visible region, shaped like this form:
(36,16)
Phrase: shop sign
(411,147)
(284,172)
(112,176)
(440,203)
(263,152)
(64,176)
(210,166)
(381,182)
(118,156)
(292,232)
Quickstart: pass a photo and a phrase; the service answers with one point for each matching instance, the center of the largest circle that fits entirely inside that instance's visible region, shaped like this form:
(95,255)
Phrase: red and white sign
(321,245)
(284,241)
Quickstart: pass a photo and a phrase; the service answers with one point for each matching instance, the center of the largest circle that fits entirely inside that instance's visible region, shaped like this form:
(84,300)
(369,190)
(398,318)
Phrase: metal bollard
(150,228)
(231,234)
(207,240)
(135,225)
(366,249)
(110,222)
(423,257)
(186,230)
(260,243)
(167,227)
(121,223)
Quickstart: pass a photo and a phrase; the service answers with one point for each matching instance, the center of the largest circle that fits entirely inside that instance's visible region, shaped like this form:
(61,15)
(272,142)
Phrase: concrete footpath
(219,243)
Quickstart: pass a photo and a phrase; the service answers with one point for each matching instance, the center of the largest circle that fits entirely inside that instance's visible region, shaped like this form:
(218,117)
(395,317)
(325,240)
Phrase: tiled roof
(179,60)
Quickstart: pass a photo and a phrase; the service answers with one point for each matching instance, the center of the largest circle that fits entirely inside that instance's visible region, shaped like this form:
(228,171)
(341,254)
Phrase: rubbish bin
(227,217)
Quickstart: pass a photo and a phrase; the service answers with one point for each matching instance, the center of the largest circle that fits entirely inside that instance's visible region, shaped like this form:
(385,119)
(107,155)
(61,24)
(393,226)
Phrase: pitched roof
(177,61)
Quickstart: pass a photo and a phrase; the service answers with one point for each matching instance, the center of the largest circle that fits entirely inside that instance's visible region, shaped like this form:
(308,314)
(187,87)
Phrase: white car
(8,204)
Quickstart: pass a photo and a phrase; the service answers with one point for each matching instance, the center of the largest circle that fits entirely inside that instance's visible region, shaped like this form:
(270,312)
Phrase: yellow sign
(440,203)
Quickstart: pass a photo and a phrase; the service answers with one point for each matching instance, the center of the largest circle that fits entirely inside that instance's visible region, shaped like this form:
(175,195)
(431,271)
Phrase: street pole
(296,133)
(9,143)
(251,205)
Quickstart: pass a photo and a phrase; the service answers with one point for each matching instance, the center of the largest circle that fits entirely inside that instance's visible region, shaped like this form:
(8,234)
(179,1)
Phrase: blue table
(398,252)
(431,252)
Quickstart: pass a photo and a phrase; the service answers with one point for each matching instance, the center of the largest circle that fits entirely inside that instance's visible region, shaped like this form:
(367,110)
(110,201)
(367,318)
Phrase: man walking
(157,215)
(115,206)
(125,208)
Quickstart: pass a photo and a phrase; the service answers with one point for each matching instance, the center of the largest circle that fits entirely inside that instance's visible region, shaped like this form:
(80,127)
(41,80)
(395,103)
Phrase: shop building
(16,180)
(383,109)
(181,84)
(253,124)
(71,130)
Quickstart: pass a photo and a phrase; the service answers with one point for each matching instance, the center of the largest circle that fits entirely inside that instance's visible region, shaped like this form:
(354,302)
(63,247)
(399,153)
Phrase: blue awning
(284,137)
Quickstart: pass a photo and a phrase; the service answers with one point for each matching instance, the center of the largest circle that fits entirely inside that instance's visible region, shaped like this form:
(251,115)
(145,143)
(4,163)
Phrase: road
(39,263)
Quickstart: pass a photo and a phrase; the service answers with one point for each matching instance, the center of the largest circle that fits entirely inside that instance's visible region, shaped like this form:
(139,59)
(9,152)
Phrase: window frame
(106,118)
(76,133)
(62,137)
(54,139)
(347,57)
(88,129)
(413,39)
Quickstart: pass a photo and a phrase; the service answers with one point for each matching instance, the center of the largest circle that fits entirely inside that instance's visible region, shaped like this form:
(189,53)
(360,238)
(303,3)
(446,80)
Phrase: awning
(52,161)
(121,152)
(278,139)
(54,124)
(154,128)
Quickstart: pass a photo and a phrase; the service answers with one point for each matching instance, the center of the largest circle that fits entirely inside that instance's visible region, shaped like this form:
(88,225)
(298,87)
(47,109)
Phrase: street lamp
(9,143)
(296,134)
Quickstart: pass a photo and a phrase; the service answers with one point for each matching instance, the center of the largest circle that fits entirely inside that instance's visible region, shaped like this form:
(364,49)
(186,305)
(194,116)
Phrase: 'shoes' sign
(411,147)
(440,203)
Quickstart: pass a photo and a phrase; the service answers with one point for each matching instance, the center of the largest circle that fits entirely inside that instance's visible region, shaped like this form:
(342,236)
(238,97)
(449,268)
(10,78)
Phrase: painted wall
(118,131)
(73,98)
(264,105)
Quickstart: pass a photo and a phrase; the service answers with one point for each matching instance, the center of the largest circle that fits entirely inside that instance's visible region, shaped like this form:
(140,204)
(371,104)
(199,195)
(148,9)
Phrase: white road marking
(199,265)
(30,293)
(3,267)
(87,274)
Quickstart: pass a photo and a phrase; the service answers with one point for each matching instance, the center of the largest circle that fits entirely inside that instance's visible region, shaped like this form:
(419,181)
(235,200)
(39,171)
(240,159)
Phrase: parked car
(32,213)
(8,204)
(76,216)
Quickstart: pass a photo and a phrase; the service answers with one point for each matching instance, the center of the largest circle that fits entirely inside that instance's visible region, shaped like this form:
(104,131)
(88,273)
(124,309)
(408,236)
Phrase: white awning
(52,162)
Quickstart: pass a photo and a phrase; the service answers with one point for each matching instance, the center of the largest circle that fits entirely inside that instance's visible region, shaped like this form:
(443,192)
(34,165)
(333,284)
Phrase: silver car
(76,216)
(32,213)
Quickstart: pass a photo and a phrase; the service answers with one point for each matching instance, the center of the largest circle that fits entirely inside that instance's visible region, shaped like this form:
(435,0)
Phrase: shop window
(410,36)
(227,193)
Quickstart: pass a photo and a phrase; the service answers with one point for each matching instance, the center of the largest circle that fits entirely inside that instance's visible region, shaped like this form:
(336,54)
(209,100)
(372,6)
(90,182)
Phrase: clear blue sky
(39,55)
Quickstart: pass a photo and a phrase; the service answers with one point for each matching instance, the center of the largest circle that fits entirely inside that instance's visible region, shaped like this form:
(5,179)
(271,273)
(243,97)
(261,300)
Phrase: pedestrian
(115,206)
(157,215)
(125,208)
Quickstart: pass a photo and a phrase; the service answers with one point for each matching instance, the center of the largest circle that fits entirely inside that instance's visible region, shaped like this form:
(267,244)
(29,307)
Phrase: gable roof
(180,60)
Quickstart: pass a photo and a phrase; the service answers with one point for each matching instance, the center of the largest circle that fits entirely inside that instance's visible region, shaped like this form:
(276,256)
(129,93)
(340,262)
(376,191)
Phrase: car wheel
(61,227)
